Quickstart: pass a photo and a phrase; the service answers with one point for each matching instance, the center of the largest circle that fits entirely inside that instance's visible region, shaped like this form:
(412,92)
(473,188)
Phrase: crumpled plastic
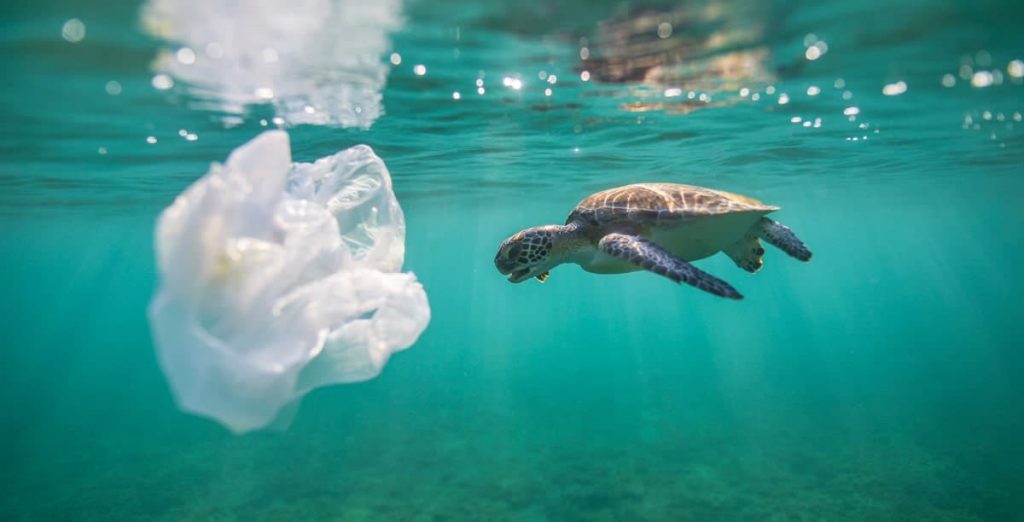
(277,278)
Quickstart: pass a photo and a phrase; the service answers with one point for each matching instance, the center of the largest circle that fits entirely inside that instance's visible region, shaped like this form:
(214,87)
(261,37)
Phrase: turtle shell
(651,204)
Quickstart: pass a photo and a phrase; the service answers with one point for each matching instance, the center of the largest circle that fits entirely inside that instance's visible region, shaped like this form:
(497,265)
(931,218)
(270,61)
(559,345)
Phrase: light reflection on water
(317,63)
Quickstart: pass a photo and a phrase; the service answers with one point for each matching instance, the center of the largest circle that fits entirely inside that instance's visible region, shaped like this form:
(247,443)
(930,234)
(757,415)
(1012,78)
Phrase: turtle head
(528,254)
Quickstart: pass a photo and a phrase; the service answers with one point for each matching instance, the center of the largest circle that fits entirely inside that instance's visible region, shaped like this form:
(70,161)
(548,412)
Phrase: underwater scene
(273,260)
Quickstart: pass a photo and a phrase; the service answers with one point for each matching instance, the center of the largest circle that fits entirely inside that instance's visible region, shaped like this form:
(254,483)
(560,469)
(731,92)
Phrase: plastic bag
(277,278)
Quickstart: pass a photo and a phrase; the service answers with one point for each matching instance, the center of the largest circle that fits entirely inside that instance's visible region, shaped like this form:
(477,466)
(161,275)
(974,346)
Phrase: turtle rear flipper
(648,255)
(781,236)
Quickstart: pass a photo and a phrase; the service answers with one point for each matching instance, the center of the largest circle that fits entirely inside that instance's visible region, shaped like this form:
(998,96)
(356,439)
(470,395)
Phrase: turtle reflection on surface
(707,48)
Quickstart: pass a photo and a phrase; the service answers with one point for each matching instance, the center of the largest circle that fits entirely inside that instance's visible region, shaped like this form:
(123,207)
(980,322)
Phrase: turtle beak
(509,268)
(518,276)
(503,266)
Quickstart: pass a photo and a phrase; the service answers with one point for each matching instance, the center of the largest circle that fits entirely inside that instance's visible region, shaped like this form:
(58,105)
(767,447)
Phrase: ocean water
(880,381)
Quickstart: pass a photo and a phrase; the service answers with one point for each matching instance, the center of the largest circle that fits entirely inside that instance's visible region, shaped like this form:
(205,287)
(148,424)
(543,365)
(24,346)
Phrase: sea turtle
(659,227)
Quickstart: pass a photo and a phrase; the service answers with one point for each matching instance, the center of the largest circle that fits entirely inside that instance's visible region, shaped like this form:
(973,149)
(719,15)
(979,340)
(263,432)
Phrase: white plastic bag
(277,278)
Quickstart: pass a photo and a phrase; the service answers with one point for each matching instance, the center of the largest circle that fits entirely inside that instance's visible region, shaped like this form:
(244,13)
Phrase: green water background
(880,381)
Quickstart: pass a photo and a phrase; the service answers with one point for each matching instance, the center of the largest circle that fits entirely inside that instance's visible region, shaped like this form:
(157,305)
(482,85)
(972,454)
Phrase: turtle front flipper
(781,236)
(649,256)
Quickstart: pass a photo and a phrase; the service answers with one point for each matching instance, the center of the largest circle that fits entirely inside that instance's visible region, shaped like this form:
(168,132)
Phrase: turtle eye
(513,251)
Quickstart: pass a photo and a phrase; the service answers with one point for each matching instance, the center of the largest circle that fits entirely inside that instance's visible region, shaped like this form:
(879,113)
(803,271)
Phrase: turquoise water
(880,381)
